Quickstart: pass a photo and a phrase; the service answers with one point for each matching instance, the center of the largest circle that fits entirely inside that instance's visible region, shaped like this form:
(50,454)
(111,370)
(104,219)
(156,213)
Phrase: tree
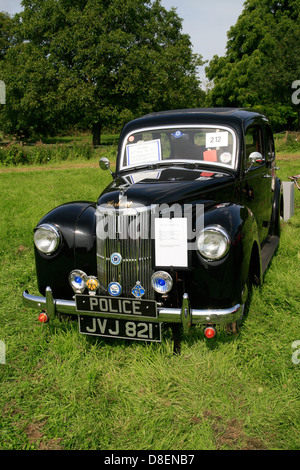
(262,61)
(6,33)
(96,63)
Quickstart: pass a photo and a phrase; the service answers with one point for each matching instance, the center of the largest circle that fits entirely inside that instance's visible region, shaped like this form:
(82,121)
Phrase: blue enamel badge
(116,259)
(114,289)
(138,291)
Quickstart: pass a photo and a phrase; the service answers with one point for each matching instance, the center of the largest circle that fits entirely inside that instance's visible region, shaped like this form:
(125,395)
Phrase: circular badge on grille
(116,259)
(114,289)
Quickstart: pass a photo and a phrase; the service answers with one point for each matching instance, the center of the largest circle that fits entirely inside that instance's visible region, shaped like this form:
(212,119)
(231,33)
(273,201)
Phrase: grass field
(63,390)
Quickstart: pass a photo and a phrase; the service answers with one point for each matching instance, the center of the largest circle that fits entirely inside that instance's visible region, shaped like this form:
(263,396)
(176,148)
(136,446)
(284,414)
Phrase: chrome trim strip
(167,315)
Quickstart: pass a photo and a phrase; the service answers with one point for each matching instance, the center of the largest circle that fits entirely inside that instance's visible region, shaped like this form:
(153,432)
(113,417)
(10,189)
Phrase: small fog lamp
(77,280)
(162,282)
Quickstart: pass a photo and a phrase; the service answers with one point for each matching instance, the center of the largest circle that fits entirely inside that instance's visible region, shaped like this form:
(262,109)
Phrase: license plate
(111,328)
(115,306)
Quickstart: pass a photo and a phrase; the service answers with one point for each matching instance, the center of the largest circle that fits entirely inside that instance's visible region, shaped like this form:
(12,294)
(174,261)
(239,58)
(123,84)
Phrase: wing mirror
(254,157)
(104,164)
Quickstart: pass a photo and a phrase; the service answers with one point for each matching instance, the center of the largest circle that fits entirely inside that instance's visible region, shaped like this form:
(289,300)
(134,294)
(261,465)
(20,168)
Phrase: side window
(253,142)
(270,144)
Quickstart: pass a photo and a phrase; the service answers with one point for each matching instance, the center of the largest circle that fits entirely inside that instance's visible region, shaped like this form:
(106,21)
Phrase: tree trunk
(96,133)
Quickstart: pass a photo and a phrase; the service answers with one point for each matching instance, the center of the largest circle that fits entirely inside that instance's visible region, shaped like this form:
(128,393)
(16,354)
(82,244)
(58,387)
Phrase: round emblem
(92,283)
(177,134)
(225,157)
(116,259)
(114,289)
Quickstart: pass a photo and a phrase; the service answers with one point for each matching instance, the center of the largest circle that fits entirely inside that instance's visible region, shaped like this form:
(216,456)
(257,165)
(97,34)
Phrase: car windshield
(208,145)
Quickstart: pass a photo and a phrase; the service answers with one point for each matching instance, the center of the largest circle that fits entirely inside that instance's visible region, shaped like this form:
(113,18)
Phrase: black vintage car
(191,218)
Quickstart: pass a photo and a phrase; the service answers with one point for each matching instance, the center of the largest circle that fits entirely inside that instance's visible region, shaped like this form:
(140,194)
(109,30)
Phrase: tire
(276,212)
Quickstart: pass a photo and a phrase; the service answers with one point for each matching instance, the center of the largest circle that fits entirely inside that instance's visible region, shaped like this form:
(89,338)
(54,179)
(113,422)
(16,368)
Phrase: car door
(257,180)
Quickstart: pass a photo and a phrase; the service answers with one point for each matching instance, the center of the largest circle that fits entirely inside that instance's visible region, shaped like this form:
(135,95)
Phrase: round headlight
(162,282)
(47,238)
(213,243)
(77,280)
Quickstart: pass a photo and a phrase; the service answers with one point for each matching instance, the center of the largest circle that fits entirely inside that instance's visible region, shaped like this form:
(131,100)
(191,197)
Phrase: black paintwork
(174,185)
(76,222)
(244,203)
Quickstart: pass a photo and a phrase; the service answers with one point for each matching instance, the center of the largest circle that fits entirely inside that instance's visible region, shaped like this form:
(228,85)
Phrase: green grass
(63,390)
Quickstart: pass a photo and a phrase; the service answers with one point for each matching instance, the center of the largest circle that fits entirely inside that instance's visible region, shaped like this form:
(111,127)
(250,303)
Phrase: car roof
(205,111)
(235,117)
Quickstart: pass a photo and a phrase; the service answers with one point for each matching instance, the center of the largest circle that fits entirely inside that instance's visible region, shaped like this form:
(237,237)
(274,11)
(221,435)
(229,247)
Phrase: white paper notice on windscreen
(171,242)
(143,152)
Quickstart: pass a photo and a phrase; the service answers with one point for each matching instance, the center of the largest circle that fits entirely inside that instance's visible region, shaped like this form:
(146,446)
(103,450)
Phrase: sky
(205,21)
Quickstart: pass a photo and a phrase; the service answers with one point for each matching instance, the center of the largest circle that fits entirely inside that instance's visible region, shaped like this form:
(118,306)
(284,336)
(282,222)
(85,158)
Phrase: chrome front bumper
(186,315)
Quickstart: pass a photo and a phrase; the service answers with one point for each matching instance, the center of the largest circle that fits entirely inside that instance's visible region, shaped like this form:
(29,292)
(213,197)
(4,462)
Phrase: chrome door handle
(267,176)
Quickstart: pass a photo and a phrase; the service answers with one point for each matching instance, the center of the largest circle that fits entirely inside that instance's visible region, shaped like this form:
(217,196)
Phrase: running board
(268,251)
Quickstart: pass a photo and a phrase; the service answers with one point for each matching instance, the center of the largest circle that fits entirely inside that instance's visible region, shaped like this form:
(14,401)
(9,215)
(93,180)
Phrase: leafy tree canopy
(262,61)
(6,33)
(94,63)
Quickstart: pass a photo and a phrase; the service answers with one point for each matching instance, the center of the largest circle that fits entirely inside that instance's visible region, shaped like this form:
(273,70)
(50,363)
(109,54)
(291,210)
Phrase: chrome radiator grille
(127,232)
